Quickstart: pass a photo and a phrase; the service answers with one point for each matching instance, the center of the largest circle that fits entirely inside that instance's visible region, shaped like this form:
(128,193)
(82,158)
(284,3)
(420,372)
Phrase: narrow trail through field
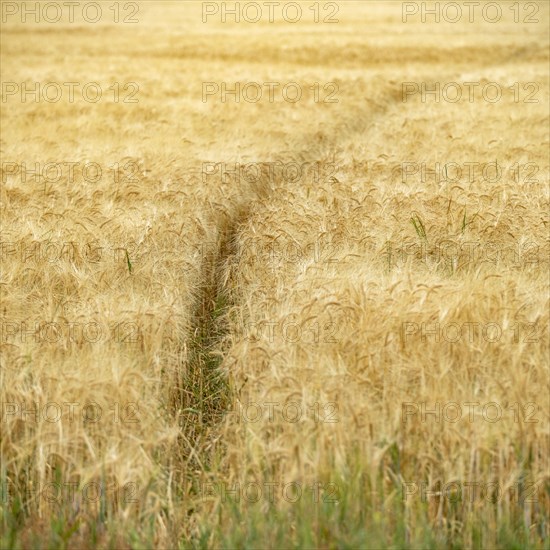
(204,395)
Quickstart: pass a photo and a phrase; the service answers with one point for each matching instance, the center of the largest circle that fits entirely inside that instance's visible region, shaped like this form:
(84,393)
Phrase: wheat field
(237,317)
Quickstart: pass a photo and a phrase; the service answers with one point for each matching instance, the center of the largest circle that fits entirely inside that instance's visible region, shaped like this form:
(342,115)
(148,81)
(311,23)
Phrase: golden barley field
(274,282)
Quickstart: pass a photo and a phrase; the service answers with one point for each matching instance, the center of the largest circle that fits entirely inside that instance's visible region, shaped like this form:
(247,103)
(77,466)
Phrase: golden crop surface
(276,283)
